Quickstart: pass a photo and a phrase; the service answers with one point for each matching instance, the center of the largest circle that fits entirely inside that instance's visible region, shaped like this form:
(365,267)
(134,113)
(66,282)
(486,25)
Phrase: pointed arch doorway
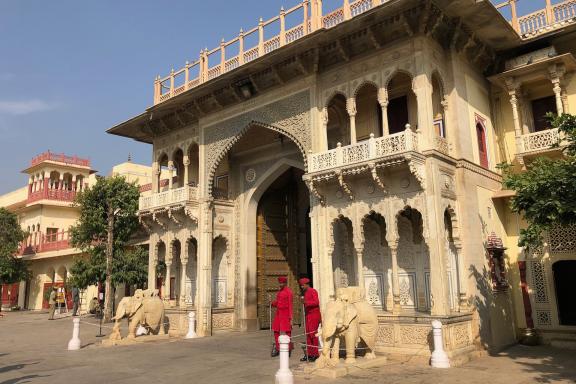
(283,241)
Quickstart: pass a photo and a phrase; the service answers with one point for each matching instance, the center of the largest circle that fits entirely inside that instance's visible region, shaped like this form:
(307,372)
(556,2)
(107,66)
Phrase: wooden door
(277,244)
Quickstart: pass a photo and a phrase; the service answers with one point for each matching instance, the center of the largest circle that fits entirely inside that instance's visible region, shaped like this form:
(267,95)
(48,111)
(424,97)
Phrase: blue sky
(71,69)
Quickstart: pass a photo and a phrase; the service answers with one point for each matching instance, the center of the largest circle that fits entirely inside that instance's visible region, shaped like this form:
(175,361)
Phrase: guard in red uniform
(283,317)
(313,318)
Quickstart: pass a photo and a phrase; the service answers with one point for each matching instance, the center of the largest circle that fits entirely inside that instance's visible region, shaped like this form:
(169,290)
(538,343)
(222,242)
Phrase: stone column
(558,95)
(423,91)
(183,275)
(360,265)
(152,262)
(461,274)
(186,163)
(383,101)
(170,174)
(155,177)
(396,309)
(324,129)
(513,88)
(556,73)
(204,275)
(351,109)
(167,280)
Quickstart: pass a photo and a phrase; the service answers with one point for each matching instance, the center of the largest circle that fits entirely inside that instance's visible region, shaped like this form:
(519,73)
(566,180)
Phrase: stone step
(564,343)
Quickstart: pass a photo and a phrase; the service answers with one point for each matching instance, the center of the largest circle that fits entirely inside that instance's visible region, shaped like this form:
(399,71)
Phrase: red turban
(282,279)
(304,280)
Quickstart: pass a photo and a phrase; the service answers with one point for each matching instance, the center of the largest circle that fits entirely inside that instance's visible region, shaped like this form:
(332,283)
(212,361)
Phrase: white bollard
(191,326)
(439,357)
(75,343)
(284,375)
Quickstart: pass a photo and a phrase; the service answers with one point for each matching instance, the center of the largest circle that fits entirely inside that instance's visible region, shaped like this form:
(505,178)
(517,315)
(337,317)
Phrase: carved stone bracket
(156,218)
(172,214)
(376,177)
(314,190)
(417,165)
(345,187)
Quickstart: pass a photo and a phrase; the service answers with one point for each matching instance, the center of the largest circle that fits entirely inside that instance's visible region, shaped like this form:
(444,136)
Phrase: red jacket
(311,302)
(283,304)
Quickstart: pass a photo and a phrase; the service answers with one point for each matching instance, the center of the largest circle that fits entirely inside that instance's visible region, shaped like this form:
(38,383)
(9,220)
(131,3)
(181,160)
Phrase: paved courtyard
(33,350)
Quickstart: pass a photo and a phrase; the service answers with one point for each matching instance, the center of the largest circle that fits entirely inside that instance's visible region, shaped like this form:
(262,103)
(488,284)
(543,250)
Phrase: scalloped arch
(241,134)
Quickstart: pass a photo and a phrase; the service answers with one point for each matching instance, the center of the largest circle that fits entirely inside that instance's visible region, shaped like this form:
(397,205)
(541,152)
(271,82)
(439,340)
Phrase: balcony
(369,150)
(61,195)
(39,243)
(60,158)
(540,142)
(178,196)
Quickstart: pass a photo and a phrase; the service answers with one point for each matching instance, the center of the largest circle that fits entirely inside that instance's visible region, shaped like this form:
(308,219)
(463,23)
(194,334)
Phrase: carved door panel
(277,244)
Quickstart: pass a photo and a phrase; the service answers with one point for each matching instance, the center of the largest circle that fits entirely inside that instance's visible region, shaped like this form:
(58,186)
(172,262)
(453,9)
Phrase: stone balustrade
(232,54)
(551,17)
(540,141)
(167,198)
(370,149)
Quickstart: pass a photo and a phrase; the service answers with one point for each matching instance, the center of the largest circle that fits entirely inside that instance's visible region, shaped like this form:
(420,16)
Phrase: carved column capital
(351,106)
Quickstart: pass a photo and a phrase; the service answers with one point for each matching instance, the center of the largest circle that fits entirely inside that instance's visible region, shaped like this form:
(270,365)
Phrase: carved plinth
(343,369)
(134,340)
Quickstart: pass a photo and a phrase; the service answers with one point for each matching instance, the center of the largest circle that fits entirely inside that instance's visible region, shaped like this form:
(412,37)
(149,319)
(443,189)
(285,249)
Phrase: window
(540,108)
(51,235)
(482,150)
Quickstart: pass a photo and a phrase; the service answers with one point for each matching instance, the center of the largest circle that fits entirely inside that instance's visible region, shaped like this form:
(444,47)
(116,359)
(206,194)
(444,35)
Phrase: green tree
(546,191)
(12,268)
(130,267)
(108,219)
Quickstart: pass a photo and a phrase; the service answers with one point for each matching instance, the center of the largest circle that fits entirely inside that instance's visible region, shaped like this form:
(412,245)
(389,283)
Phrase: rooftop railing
(551,16)
(236,52)
(60,158)
(309,17)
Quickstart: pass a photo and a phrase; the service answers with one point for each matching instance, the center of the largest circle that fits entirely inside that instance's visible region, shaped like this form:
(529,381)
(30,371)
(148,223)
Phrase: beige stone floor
(33,350)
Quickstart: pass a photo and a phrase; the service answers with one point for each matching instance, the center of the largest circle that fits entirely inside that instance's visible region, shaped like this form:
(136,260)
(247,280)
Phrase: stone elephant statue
(349,318)
(144,308)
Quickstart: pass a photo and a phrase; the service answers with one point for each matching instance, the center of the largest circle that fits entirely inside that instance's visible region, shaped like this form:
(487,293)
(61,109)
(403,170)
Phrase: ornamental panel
(539,282)
(563,239)
(543,318)
(222,320)
(385,335)
(373,284)
(415,335)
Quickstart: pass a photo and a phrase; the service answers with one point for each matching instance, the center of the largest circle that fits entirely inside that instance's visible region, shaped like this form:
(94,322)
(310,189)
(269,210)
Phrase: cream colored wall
(478,99)
(14,197)
(141,174)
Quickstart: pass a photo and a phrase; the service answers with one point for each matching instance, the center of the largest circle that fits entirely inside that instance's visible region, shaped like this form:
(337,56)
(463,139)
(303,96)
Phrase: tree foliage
(546,191)
(11,235)
(91,233)
(129,266)
(114,194)
(12,268)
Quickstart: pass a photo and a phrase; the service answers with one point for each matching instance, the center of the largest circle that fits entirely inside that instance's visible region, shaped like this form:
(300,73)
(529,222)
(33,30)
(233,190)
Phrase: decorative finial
(129,157)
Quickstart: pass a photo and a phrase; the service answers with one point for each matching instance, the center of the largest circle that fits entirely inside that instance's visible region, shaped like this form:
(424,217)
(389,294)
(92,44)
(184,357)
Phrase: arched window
(338,129)
(482,148)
